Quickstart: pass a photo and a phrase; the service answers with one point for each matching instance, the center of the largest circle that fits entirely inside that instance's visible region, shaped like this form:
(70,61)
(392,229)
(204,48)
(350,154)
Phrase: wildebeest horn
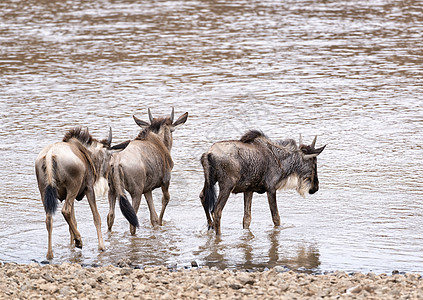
(314,142)
(150,115)
(140,123)
(109,139)
(172,114)
(300,140)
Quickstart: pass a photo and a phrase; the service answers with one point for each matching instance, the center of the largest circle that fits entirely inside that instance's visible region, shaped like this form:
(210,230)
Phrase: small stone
(194,264)
(47,277)
(245,279)
(280,269)
(355,289)
(125,271)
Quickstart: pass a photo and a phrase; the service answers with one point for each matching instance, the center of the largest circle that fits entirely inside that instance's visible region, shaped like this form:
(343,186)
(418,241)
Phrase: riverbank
(72,281)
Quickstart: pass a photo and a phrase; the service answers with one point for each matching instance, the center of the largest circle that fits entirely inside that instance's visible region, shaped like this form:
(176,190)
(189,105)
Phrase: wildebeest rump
(144,165)
(70,170)
(256,164)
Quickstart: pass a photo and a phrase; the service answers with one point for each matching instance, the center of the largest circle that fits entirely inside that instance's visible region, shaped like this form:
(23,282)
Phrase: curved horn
(172,114)
(314,142)
(109,139)
(150,115)
(300,140)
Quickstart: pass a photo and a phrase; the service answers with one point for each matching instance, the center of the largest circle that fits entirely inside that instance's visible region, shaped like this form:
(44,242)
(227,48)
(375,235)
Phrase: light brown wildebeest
(144,165)
(256,164)
(70,170)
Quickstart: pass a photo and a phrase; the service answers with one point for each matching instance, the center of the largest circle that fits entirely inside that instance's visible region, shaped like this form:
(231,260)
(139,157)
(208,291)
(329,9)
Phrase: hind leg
(209,219)
(136,201)
(248,196)
(72,237)
(49,225)
(67,214)
(165,201)
(112,206)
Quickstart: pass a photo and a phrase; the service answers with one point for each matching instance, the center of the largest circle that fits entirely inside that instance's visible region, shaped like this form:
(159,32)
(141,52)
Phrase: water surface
(348,71)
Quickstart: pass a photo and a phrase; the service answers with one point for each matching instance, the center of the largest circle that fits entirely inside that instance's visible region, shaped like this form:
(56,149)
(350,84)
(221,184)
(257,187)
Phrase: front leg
(248,196)
(165,201)
(271,198)
(96,216)
(154,219)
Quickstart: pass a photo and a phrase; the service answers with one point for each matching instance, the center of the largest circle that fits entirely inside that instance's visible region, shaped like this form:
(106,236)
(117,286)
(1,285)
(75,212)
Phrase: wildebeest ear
(181,120)
(120,146)
(141,123)
(310,153)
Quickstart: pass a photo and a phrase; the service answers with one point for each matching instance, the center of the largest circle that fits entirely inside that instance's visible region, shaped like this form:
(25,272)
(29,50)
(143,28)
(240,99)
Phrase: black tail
(128,211)
(209,182)
(50,199)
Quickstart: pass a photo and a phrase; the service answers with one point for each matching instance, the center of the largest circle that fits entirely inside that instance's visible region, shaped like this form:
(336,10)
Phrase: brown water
(348,71)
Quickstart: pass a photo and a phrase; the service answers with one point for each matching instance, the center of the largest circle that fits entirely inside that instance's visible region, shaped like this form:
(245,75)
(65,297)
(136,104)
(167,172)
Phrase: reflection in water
(303,257)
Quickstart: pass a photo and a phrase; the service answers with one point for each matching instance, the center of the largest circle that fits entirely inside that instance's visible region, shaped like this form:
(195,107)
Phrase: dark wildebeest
(144,165)
(256,164)
(69,170)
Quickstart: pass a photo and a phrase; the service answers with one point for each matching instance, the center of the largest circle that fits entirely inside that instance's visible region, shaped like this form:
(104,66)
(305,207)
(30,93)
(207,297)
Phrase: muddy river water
(350,72)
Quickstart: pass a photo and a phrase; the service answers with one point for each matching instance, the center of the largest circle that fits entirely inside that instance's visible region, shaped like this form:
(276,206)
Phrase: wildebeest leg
(248,196)
(209,219)
(154,219)
(136,201)
(112,205)
(271,197)
(72,237)
(67,213)
(49,225)
(165,201)
(96,216)
(224,193)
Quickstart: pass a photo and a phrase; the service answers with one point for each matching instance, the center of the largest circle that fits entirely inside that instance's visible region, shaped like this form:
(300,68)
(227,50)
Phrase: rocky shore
(72,281)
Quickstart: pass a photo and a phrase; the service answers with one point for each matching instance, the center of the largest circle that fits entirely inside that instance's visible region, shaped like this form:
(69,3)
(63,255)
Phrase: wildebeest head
(162,126)
(309,178)
(101,155)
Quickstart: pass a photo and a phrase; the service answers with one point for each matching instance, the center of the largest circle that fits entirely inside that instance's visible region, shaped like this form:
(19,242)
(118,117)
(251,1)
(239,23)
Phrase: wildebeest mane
(251,135)
(85,139)
(79,133)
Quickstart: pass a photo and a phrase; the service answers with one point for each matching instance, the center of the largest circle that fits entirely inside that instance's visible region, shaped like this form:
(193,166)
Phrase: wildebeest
(144,165)
(69,170)
(256,164)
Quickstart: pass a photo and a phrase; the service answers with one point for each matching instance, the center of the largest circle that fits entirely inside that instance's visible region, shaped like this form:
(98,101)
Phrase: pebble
(71,281)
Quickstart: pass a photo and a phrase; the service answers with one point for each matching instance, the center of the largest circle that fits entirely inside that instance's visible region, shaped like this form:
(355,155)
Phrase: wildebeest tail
(128,211)
(50,199)
(209,182)
(125,207)
(49,168)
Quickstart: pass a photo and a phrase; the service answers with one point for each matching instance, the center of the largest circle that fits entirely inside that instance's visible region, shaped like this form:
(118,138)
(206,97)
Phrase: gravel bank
(72,281)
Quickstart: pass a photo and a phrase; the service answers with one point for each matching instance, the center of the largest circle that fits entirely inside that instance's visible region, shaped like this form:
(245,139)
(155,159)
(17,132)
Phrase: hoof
(78,244)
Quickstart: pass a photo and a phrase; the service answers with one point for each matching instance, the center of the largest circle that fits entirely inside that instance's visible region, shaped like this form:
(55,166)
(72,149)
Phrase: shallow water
(348,71)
